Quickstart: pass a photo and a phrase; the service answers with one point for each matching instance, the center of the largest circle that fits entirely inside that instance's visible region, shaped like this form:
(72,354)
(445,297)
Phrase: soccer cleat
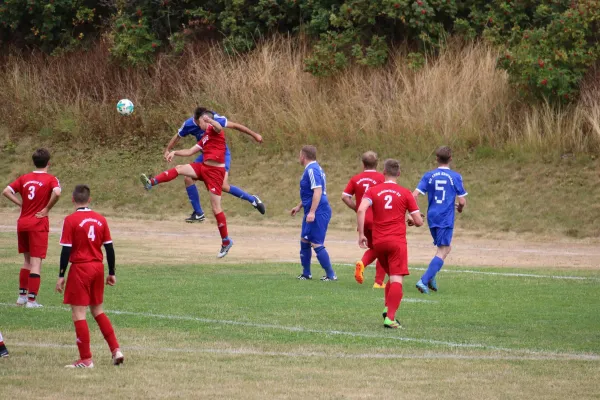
(388,323)
(118,357)
(21,300)
(378,286)
(146,182)
(303,277)
(259,205)
(3,351)
(195,217)
(359,272)
(384,313)
(33,304)
(432,285)
(81,364)
(327,279)
(225,249)
(422,288)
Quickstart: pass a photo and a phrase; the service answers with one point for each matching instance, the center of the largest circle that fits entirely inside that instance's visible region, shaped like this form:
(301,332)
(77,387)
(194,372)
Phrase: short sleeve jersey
(189,127)
(213,145)
(312,178)
(442,186)
(85,231)
(390,202)
(360,183)
(35,189)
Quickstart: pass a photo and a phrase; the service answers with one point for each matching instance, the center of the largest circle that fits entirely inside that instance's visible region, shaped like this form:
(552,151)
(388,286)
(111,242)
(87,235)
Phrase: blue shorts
(227,159)
(316,231)
(441,236)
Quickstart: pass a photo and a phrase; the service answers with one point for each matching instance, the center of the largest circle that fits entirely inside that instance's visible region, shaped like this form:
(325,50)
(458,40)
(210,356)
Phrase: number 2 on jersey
(388,202)
(91,233)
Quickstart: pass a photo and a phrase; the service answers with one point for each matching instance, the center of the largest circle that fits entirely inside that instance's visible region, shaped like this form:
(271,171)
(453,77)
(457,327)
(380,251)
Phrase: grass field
(251,330)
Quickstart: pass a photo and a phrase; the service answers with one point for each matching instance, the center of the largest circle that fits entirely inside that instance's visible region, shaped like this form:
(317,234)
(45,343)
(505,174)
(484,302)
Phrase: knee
(187,180)
(304,245)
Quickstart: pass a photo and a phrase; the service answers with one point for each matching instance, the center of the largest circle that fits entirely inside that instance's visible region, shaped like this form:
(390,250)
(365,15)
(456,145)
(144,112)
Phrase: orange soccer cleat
(359,271)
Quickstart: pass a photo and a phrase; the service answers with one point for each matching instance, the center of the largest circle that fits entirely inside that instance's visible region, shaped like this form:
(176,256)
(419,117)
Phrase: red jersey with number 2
(390,202)
(213,145)
(85,231)
(35,189)
(360,183)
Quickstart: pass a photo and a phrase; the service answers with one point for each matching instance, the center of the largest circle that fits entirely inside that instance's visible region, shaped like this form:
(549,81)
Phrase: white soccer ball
(125,107)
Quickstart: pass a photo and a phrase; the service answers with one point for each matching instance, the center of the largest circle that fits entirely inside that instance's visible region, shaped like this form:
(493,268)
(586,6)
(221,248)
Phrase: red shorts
(85,285)
(213,177)
(393,257)
(33,242)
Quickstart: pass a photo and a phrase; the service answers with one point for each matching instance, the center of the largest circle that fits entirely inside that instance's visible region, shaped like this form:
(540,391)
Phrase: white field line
(308,354)
(300,329)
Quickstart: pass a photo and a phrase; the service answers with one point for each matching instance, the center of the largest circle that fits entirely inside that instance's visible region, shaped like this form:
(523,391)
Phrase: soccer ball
(125,107)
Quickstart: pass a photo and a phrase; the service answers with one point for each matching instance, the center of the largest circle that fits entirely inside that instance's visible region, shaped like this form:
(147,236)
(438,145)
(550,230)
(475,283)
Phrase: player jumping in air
(442,186)
(211,170)
(3,349)
(389,202)
(357,187)
(192,127)
(39,191)
(83,234)
(317,214)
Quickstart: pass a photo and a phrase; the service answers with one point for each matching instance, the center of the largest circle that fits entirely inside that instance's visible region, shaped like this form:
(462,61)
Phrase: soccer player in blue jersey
(191,127)
(442,186)
(317,214)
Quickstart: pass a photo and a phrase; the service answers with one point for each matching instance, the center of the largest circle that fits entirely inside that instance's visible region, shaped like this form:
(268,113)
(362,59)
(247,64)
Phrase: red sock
(394,299)
(165,176)
(107,330)
(368,257)
(379,273)
(34,286)
(23,281)
(222,224)
(387,293)
(83,339)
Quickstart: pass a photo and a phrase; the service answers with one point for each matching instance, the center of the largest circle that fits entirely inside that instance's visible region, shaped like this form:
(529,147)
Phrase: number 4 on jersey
(91,233)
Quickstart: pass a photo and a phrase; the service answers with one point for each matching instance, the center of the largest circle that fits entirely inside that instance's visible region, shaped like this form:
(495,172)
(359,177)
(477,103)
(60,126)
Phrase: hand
(459,208)
(166,155)
(42,214)
(258,138)
(60,285)
(111,280)
(170,156)
(410,221)
(295,211)
(310,217)
(206,119)
(362,241)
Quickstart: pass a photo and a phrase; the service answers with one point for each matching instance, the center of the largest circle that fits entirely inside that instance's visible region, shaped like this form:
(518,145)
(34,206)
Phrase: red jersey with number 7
(85,231)
(213,145)
(360,183)
(35,189)
(390,202)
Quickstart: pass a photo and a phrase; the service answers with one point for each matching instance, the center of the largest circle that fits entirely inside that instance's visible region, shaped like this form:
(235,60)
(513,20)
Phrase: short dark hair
(310,152)
(391,168)
(369,160)
(40,158)
(200,111)
(443,154)
(81,194)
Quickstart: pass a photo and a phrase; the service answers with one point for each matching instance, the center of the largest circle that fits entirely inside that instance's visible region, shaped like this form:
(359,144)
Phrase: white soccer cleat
(225,249)
(33,304)
(118,357)
(81,364)
(21,300)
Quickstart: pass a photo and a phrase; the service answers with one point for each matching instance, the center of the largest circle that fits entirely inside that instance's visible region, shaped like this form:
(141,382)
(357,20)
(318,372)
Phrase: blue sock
(194,197)
(323,257)
(434,267)
(305,255)
(239,193)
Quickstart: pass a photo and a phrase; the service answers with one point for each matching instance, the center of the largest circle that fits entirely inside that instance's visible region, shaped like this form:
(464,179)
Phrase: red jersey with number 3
(390,202)
(35,189)
(85,231)
(360,183)
(213,145)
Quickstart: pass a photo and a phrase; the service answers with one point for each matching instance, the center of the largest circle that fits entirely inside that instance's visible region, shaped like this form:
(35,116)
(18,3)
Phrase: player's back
(390,202)
(213,145)
(35,189)
(313,178)
(442,186)
(360,183)
(85,231)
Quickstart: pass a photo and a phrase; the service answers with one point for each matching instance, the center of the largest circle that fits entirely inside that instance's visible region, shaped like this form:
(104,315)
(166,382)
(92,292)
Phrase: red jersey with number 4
(390,202)
(85,231)
(360,183)
(35,189)
(213,145)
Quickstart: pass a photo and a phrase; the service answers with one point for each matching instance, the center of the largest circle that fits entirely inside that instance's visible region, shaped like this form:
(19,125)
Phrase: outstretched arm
(172,143)
(245,129)
(9,194)
(184,153)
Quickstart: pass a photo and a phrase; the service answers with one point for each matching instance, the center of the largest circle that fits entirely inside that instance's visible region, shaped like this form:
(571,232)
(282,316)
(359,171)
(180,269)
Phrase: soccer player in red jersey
(357,187)
(211,171)
(83,234)
(39,191)
(389,202)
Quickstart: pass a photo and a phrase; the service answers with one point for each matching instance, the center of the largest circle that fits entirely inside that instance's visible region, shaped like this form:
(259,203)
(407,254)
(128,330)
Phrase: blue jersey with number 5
(442,186)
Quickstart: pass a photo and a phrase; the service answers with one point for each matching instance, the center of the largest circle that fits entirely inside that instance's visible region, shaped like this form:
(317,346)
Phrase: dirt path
(178,242)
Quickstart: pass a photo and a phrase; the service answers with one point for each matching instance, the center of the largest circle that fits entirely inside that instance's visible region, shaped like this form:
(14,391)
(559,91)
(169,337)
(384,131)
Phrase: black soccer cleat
(195,217)
(303,277)
(259,205)
(3,351)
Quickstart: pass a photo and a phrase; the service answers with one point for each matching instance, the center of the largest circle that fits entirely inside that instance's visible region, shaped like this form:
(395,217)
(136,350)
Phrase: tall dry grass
(459,98)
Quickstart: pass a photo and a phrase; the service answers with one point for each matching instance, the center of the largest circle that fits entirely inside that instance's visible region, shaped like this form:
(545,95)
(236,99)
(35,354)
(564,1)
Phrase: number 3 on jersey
(92,233)
(31,194)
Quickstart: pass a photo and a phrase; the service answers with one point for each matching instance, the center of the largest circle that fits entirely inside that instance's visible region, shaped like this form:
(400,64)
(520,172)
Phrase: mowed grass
(219,330)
